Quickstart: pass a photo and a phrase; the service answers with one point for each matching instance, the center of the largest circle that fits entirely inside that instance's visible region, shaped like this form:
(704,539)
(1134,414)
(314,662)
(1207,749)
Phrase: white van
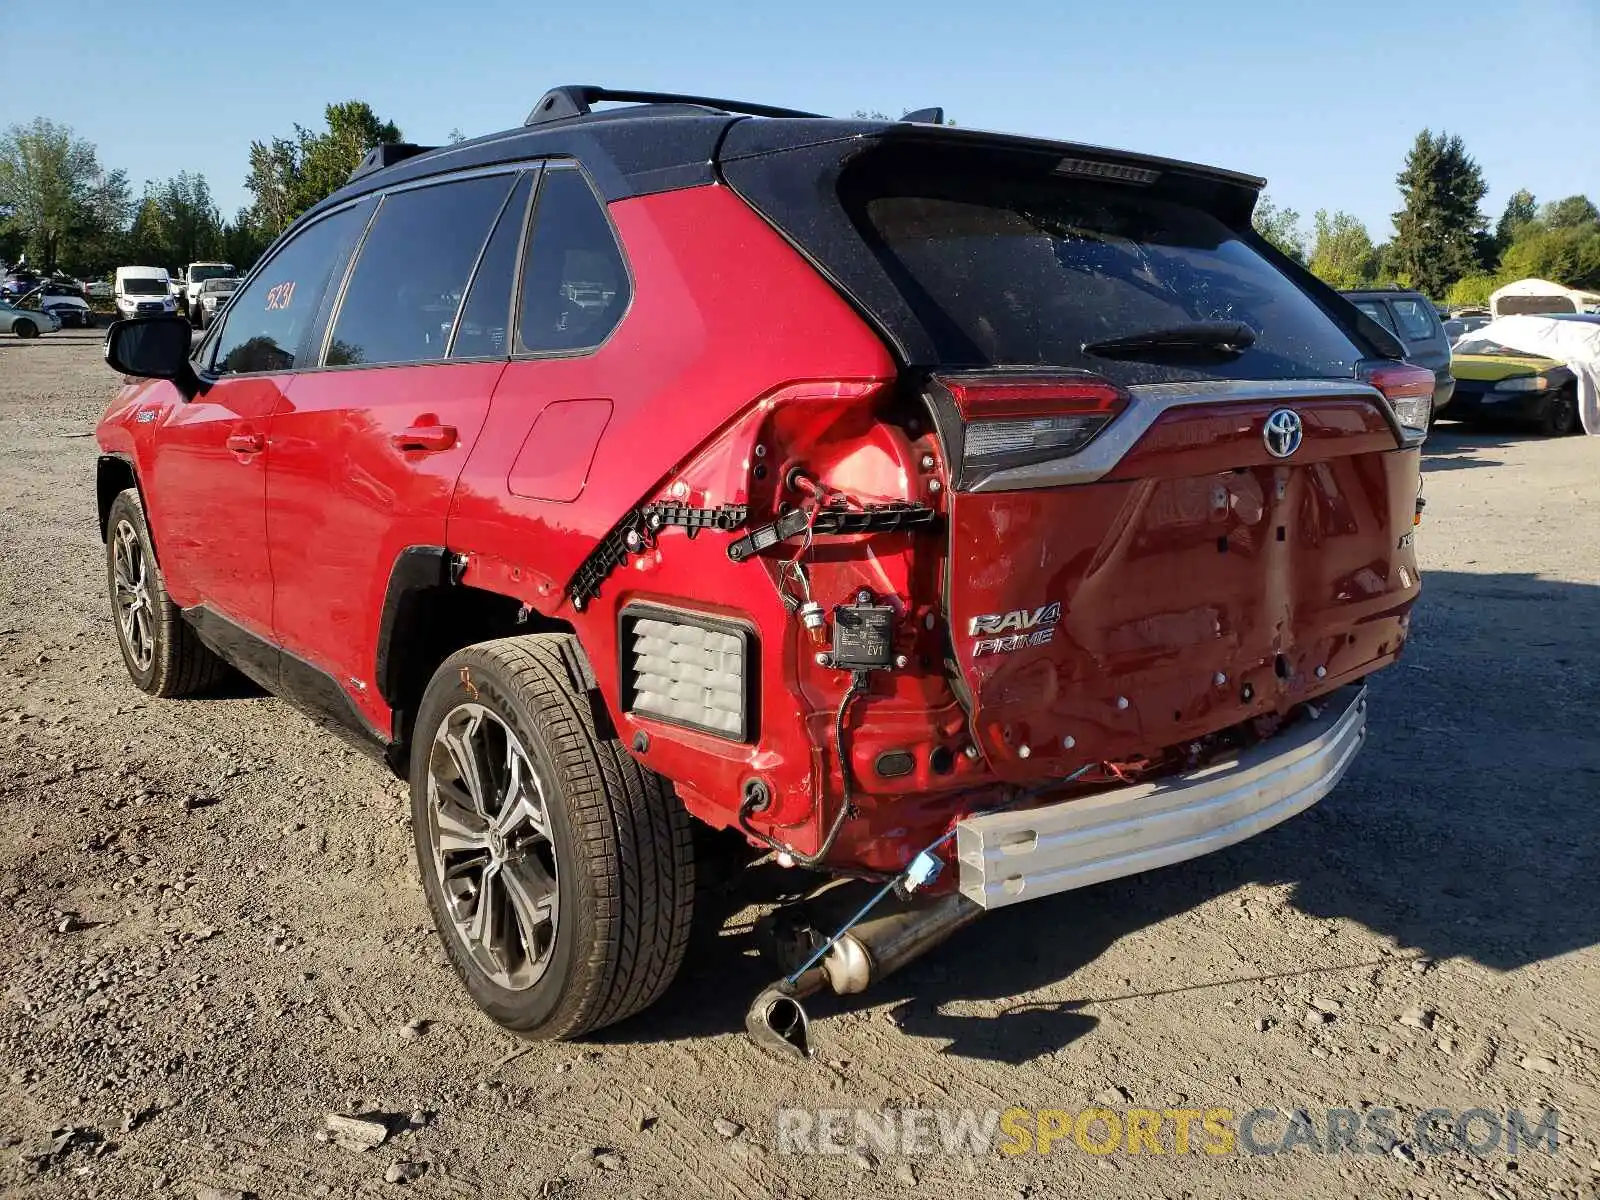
(143,292)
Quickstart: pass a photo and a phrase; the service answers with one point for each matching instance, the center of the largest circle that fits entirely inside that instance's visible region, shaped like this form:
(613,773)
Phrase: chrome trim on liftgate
(1011,856)
(1152,401)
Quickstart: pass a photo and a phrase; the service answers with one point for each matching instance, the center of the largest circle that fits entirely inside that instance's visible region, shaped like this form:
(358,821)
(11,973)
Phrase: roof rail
(386,155)
(578,99)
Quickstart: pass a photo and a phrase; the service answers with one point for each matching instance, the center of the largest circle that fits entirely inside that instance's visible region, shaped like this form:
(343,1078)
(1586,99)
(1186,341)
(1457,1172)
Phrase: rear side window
(1023,270)
(401,302)
(271,315)
(1379,312)
(1415,317)
(574,284)
(486,318)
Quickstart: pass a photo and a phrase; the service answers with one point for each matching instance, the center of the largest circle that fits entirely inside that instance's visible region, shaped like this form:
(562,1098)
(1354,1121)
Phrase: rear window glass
(1021,270)
(1379,313)
(1416,322)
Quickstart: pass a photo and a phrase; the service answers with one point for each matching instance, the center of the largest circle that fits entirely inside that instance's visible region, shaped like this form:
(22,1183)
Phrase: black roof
(663,141)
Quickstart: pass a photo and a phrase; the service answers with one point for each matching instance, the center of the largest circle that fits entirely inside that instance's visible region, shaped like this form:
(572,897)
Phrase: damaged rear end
(1175,478)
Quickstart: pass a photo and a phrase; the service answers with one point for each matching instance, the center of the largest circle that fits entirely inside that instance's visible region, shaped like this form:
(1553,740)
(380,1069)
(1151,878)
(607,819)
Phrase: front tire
(164,656)
(1560,414)
(560,873)
(25,329)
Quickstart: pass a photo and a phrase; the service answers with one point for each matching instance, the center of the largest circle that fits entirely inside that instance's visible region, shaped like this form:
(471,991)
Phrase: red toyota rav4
(903,497)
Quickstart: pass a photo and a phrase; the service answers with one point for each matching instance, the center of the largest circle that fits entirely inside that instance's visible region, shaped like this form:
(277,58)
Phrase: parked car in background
(143,292)
(66,303)
(1496,384)
(1411,317)
(18,282)
(1536,297)
(1458,326)
(557,469)
(72,286)
(98,289)
(26,322)
(195,278)
(211,297)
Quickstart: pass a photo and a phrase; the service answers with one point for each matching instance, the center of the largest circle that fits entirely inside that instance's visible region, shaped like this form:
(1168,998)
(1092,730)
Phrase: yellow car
(1497,384)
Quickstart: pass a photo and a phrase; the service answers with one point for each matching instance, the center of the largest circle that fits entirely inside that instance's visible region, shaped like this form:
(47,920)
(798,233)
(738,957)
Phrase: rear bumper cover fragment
(1008,857)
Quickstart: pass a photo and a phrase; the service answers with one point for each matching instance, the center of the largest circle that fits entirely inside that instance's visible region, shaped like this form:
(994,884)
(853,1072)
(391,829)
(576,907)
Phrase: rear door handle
(247,443)
(432,438)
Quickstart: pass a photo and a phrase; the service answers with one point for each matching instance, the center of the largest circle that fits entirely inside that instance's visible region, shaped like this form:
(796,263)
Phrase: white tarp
(1576,343)
(1534,296)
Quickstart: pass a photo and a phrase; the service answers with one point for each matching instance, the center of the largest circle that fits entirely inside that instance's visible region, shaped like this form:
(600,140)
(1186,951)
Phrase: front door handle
(431,438)
(247,443)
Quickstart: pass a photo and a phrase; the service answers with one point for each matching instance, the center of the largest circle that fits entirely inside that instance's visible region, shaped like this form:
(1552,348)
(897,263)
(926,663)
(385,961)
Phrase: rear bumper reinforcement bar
(1008,857)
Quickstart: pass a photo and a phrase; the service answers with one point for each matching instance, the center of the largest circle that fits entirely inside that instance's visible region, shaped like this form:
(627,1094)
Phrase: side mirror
(152,348)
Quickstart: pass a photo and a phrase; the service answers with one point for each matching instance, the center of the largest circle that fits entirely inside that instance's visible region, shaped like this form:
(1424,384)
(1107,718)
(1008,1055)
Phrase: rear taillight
(1011,420)
(1409,391)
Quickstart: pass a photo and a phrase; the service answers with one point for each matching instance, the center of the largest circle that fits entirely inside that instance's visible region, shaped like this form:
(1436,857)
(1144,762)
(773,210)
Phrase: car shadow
(1469,828)
(1452,446)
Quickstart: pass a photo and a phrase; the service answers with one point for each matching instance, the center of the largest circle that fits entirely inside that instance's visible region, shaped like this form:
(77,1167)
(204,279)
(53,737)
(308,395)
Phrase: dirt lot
(212,936)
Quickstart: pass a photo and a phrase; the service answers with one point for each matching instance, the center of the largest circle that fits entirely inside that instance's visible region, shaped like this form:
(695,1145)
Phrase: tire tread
(184,665)
(634,832)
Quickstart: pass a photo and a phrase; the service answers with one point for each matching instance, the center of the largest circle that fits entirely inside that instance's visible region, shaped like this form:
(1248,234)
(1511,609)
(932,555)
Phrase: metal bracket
(636,530)
(893,517)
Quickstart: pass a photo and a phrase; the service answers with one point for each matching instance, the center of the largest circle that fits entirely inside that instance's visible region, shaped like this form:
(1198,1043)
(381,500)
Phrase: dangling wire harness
(858,685)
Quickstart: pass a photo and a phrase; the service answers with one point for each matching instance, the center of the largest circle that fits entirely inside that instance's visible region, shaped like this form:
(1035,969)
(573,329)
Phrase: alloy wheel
(131,583)
(489,828)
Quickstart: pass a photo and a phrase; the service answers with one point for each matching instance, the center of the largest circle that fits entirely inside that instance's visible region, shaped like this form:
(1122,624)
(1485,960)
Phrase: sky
(1323,99)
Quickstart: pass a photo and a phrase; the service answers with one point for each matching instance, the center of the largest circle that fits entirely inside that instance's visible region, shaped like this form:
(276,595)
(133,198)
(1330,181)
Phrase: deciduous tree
(52,186)
(289,175)
(1281,227)
(1574,212)
(1342,253)
(1520,209)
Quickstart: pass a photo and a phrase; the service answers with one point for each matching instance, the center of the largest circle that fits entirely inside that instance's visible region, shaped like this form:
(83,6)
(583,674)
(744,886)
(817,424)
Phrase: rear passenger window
(272,314)
(482,330)
(1378,313)
(401,302)
(1416,322)
(574,283)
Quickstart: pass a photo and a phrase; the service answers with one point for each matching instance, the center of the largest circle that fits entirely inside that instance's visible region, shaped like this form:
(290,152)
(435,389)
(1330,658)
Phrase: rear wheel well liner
(427,616)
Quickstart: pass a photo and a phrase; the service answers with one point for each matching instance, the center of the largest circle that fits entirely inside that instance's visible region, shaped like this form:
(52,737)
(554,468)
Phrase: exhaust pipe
(860,955)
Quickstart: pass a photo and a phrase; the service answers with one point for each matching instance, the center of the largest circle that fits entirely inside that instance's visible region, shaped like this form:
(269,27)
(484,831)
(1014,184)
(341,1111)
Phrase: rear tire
(576,913)
(25,329)
(164,656)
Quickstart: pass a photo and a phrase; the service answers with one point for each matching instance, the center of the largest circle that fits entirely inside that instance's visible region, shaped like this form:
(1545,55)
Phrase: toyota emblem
(1283,432)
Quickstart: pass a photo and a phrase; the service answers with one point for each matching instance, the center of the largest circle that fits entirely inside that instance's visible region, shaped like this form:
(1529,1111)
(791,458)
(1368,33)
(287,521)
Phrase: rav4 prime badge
(1015,629)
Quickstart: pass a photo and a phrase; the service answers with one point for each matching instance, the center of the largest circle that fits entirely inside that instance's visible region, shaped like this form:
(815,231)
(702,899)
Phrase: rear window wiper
(1212,337)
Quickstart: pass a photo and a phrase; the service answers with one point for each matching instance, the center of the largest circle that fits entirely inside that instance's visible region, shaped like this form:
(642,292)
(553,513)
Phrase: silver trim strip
(1008,857)
(1154,400)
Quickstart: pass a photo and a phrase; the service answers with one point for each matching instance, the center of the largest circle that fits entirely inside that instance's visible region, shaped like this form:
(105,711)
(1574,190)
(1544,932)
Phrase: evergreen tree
(1437,233)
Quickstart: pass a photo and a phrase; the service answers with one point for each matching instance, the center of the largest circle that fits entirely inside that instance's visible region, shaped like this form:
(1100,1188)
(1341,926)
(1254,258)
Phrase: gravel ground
(212,938)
